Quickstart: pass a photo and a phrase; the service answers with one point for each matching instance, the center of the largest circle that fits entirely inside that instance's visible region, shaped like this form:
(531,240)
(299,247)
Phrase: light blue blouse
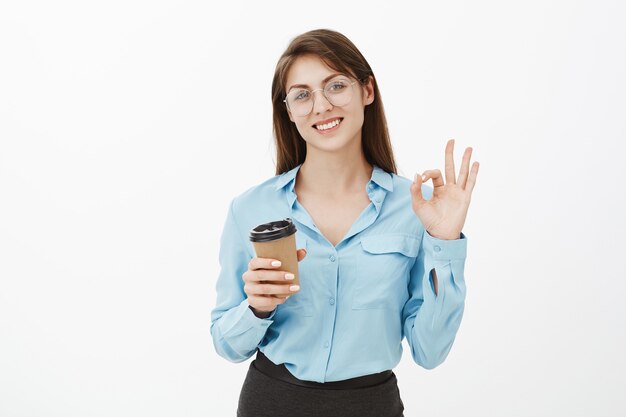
(357,300)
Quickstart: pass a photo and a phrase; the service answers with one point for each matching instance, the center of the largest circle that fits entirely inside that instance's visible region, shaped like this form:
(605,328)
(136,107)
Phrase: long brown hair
(340,54)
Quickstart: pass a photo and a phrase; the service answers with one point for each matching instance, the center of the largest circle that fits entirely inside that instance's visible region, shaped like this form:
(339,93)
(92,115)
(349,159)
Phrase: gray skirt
(265,395)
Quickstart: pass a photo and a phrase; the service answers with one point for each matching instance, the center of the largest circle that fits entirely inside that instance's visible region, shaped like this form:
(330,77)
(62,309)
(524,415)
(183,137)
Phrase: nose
(321,103)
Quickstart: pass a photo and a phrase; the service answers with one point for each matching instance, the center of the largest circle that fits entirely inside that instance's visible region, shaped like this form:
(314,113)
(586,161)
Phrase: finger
(464,167)
(267,275)
(471,180)
(263,263)
(416,191)
(280,296)
(277,298)
(450,176)
(435,175)
(301,254)
(270,289)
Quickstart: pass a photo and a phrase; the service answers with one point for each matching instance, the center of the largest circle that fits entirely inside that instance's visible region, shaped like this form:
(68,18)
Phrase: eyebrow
(323,81)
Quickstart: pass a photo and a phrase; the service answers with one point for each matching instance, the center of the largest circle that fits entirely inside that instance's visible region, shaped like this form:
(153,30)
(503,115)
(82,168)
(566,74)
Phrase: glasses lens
(300,102)
(338,92)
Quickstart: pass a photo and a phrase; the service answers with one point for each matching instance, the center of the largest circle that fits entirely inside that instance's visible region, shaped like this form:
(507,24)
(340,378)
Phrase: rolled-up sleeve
(431,320)
(235,330)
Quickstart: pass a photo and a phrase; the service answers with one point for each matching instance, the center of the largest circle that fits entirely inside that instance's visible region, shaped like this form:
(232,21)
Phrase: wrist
(260,314)
(446,236)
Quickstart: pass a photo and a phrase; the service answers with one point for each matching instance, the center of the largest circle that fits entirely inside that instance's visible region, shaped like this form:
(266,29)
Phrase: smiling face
(319,128)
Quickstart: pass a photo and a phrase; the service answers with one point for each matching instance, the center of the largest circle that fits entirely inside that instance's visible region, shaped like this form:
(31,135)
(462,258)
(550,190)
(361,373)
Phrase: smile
(328,127)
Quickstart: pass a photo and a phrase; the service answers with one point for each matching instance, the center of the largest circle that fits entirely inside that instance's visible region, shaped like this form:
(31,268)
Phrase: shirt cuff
(242,320)
(442,249)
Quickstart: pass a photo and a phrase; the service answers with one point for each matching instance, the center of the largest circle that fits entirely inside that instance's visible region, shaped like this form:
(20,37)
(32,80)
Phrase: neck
(334,173)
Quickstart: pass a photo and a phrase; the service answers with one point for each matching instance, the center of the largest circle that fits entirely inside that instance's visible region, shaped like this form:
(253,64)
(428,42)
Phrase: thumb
(301,254)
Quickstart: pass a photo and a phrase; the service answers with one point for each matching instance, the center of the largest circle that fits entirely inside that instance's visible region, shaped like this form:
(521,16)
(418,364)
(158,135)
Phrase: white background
(123,139)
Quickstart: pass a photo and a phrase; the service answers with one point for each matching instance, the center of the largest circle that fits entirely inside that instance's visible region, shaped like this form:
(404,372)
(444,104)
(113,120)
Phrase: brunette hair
(340,54)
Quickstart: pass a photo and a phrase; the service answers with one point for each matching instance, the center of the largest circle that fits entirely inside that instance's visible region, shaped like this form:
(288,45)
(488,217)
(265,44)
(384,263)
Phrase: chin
(332,142)
(328,144)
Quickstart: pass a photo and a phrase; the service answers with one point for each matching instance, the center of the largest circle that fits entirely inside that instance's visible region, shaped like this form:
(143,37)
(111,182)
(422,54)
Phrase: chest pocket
(383,264)
(300,303)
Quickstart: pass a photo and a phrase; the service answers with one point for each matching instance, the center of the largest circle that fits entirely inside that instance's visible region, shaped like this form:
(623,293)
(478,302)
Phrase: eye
(337,86)
(301,95)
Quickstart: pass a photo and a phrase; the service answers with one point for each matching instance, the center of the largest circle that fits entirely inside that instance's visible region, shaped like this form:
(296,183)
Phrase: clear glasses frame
(323,90)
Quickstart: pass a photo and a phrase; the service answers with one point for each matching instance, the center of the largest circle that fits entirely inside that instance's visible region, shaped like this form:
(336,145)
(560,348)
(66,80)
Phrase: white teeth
(328,125)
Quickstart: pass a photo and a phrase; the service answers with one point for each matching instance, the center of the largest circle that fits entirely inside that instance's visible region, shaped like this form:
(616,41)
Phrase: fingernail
(294,287)
(415,178)
(423,177)
(275,263)
(289,275)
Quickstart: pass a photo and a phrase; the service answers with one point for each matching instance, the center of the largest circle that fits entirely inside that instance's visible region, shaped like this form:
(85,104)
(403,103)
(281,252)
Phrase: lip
(323,122)
(331,130)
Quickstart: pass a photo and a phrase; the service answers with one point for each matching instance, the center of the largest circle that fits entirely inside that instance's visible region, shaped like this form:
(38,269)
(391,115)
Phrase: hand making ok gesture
(444,214)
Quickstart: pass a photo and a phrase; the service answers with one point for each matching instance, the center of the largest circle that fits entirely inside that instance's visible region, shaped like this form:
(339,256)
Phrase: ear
(368,91)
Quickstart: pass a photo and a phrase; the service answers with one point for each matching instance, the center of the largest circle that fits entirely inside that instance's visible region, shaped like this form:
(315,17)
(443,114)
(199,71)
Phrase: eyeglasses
(337,91)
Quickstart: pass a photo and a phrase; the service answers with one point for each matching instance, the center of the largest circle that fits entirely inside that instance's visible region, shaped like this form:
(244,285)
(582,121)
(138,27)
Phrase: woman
(381,257)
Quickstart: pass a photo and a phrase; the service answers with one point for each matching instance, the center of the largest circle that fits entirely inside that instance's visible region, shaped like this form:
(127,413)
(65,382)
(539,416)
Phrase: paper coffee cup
(277,240)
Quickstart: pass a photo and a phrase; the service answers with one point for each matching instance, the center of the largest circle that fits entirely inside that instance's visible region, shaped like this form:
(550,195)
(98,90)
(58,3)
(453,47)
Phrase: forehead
(309,70)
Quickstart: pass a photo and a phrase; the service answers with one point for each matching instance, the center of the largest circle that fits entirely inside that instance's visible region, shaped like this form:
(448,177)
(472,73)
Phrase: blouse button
(332,258)
(332,301)
(437,248)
